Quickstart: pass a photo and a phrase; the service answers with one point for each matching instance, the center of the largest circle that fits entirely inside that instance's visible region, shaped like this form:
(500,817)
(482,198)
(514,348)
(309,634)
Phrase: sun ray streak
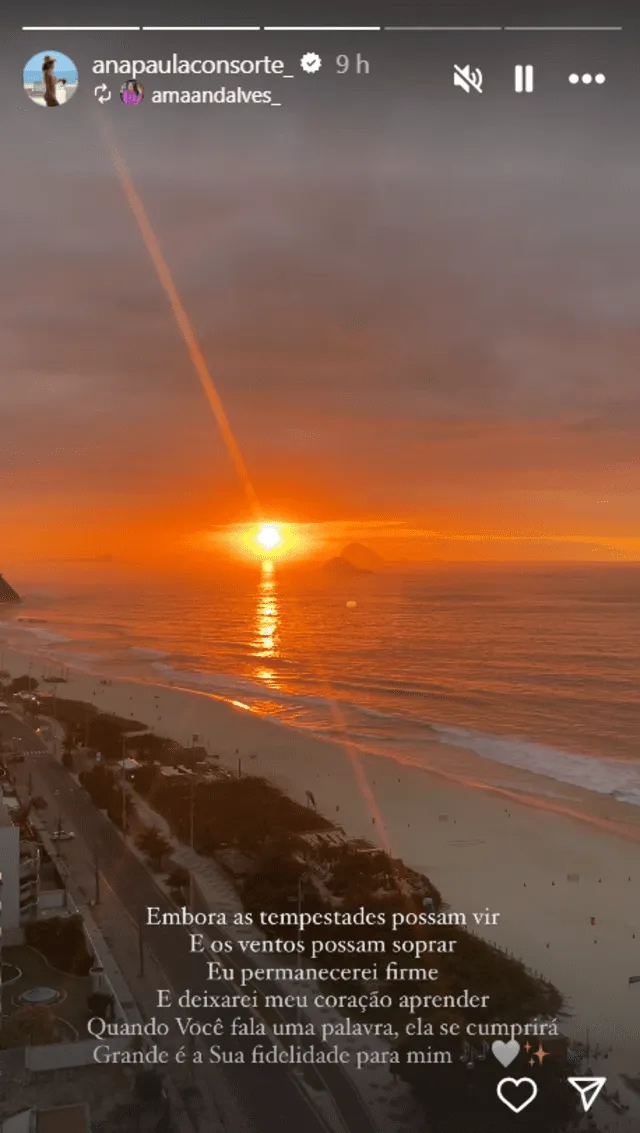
(200,365)
(182,320)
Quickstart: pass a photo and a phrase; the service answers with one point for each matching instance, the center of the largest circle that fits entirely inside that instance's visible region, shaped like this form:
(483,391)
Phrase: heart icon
(531,1089)
(505,1052)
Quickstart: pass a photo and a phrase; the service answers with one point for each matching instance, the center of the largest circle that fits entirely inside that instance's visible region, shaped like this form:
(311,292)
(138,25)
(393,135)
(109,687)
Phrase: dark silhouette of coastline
(7,593)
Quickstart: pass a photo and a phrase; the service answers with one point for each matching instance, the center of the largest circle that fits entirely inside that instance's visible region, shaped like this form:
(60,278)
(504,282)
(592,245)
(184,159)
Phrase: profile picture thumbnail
(50,78)
(132,93)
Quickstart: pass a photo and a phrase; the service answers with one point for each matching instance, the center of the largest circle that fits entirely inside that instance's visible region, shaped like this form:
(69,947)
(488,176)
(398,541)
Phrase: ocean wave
(231,685)
(396,734)
(375,714)
(44,635)
(82,660)
(617,779)
(401,687)
(146,653)
(611,777)
(632,797)
(304,703)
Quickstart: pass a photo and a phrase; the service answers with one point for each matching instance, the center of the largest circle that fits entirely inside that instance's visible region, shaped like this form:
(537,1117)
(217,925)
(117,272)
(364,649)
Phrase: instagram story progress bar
(434,28)
(523,79)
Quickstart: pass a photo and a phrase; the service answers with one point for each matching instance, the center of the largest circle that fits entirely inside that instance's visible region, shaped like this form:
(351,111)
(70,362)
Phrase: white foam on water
(612,777)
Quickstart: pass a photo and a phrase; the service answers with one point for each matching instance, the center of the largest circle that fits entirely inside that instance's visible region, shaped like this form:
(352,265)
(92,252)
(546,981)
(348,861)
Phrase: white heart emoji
(505,1052)
(532,1090)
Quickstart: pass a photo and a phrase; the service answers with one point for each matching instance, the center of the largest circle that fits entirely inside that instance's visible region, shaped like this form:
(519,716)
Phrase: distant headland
(363,558)
(354,559)
(340,567)
(7,593)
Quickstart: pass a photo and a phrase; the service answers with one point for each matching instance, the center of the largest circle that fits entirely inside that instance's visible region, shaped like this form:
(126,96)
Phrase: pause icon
(523,79)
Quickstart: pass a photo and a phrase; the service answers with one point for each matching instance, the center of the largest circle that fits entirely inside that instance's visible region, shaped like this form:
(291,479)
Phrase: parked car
(62,835)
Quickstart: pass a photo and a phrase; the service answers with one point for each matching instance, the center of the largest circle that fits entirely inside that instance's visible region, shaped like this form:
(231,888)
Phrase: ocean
(35,76)
(528,668)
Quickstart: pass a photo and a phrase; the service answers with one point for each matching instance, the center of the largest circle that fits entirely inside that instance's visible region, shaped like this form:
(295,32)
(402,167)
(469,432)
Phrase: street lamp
(140,950)
(124,792)
(301,879)
(192,807)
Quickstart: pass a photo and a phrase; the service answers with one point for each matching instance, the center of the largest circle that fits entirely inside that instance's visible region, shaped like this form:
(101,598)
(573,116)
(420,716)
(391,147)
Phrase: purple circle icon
(132,93)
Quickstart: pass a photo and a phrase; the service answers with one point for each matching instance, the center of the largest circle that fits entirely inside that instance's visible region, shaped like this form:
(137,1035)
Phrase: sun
(268,541)
(269,536)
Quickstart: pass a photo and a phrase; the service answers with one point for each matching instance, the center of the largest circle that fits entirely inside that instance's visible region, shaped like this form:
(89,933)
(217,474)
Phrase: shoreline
(574,780)
(479,844)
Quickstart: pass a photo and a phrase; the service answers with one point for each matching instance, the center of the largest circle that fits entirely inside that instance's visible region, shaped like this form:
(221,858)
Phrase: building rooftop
(63,1119)
(5,817)
(129,764)
(60,1119)
(53,1097)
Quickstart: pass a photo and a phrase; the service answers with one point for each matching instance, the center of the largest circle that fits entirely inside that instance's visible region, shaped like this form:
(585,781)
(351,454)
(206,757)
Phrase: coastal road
(268,1096)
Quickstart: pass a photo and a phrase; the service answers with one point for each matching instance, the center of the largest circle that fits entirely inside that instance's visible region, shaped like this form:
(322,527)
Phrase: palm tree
(153,843)
(23,812)
(29,1026)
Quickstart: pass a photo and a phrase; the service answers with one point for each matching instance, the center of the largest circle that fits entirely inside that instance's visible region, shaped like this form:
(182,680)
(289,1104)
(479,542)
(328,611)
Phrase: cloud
(90,559)
(389,317)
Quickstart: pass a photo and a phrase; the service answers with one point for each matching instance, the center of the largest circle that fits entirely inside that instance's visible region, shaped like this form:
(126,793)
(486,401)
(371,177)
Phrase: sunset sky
(424,340)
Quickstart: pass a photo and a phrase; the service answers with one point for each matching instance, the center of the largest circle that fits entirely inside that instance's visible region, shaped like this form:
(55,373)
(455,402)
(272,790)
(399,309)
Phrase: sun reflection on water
(265,643)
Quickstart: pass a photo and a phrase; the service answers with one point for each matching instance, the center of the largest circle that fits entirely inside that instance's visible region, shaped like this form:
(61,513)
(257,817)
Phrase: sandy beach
(547,871)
